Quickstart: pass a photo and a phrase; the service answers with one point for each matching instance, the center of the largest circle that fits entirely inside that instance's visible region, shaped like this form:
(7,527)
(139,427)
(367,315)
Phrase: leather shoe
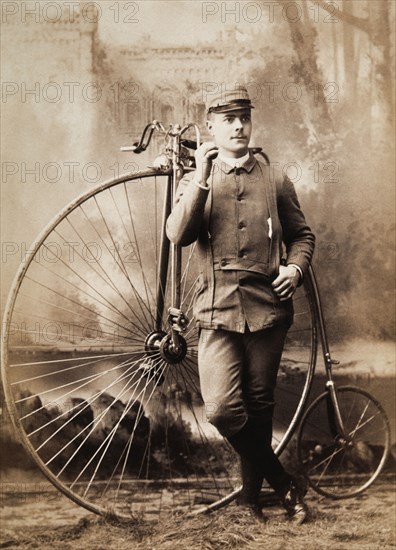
(293,502)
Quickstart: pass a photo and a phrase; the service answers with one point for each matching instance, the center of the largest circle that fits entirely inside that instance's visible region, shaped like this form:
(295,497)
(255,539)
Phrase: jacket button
(241,225)
(223,262)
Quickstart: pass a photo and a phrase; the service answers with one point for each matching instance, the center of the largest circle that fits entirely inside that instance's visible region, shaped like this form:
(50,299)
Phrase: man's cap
(228,100)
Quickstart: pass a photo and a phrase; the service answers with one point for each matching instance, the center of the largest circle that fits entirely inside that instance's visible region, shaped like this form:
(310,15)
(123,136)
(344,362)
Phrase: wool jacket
(244,223)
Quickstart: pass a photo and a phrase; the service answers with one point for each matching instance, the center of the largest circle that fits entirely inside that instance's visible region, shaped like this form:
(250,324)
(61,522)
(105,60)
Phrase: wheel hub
(162,342)
(169,352)
(153,340)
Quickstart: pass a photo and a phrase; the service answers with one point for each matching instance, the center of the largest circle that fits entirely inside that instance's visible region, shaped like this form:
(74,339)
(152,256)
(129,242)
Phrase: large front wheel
(109,414)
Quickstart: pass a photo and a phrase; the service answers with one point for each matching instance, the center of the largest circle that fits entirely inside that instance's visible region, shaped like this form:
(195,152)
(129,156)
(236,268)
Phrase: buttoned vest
(241,228)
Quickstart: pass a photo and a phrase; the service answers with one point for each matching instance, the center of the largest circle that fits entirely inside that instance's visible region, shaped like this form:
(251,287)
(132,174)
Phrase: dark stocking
(258,460)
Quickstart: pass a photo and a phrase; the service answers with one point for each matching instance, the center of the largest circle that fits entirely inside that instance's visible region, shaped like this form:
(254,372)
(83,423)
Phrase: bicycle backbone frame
(327,359)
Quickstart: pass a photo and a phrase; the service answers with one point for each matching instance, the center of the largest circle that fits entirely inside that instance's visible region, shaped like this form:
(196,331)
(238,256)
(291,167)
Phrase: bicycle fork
(334,417)
(170,343)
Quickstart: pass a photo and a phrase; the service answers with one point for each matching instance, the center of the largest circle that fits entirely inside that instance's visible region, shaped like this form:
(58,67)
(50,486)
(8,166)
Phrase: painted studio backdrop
(81,79)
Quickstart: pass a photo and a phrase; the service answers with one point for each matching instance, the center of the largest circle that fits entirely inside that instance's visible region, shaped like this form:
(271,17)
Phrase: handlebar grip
(135,148)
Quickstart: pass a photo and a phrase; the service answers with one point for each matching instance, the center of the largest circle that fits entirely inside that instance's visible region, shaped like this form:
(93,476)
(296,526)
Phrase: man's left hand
(286,282)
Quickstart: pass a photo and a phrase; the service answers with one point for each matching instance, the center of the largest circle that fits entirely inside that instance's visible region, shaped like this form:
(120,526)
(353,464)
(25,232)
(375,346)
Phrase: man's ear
(209,126)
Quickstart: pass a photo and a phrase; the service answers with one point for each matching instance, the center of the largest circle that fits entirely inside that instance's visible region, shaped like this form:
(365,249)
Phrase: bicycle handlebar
(174,131)
(140,146)
(174,135)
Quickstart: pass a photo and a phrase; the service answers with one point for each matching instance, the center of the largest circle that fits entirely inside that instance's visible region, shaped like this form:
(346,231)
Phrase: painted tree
(305,69)
(376,26)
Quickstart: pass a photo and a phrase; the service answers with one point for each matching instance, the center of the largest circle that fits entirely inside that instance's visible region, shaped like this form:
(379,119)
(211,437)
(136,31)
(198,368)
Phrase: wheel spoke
(78,407)
(67,360)
(341,465)
(55,306)
(106,442)
(89,378)
(108,415)
(83,279)
(123,268)
(62,371)
(138,254)
(95,422)
(106,279)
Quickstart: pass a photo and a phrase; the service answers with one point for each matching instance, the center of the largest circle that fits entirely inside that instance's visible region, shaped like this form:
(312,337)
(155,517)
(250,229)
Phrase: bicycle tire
(339,468)
(94,437)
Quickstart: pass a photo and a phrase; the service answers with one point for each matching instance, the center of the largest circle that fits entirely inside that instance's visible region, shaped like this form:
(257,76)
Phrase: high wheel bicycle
(102,388)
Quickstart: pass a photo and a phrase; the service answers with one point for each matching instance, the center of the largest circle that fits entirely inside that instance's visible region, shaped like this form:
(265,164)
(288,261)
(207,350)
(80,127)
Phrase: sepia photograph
(197,275)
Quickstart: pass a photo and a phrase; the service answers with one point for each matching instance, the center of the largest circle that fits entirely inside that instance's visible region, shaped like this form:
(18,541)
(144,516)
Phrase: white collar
(231,161)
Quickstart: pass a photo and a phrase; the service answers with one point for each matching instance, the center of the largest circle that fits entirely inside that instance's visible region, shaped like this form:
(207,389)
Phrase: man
(240,217)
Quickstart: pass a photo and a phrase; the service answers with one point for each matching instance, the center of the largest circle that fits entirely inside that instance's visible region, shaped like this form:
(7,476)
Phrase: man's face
(231,131)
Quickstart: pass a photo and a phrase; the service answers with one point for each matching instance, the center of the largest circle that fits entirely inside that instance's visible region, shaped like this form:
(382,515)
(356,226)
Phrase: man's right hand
(204,156)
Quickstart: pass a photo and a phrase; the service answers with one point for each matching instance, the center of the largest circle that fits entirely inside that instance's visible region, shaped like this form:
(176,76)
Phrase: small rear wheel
(342,467)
